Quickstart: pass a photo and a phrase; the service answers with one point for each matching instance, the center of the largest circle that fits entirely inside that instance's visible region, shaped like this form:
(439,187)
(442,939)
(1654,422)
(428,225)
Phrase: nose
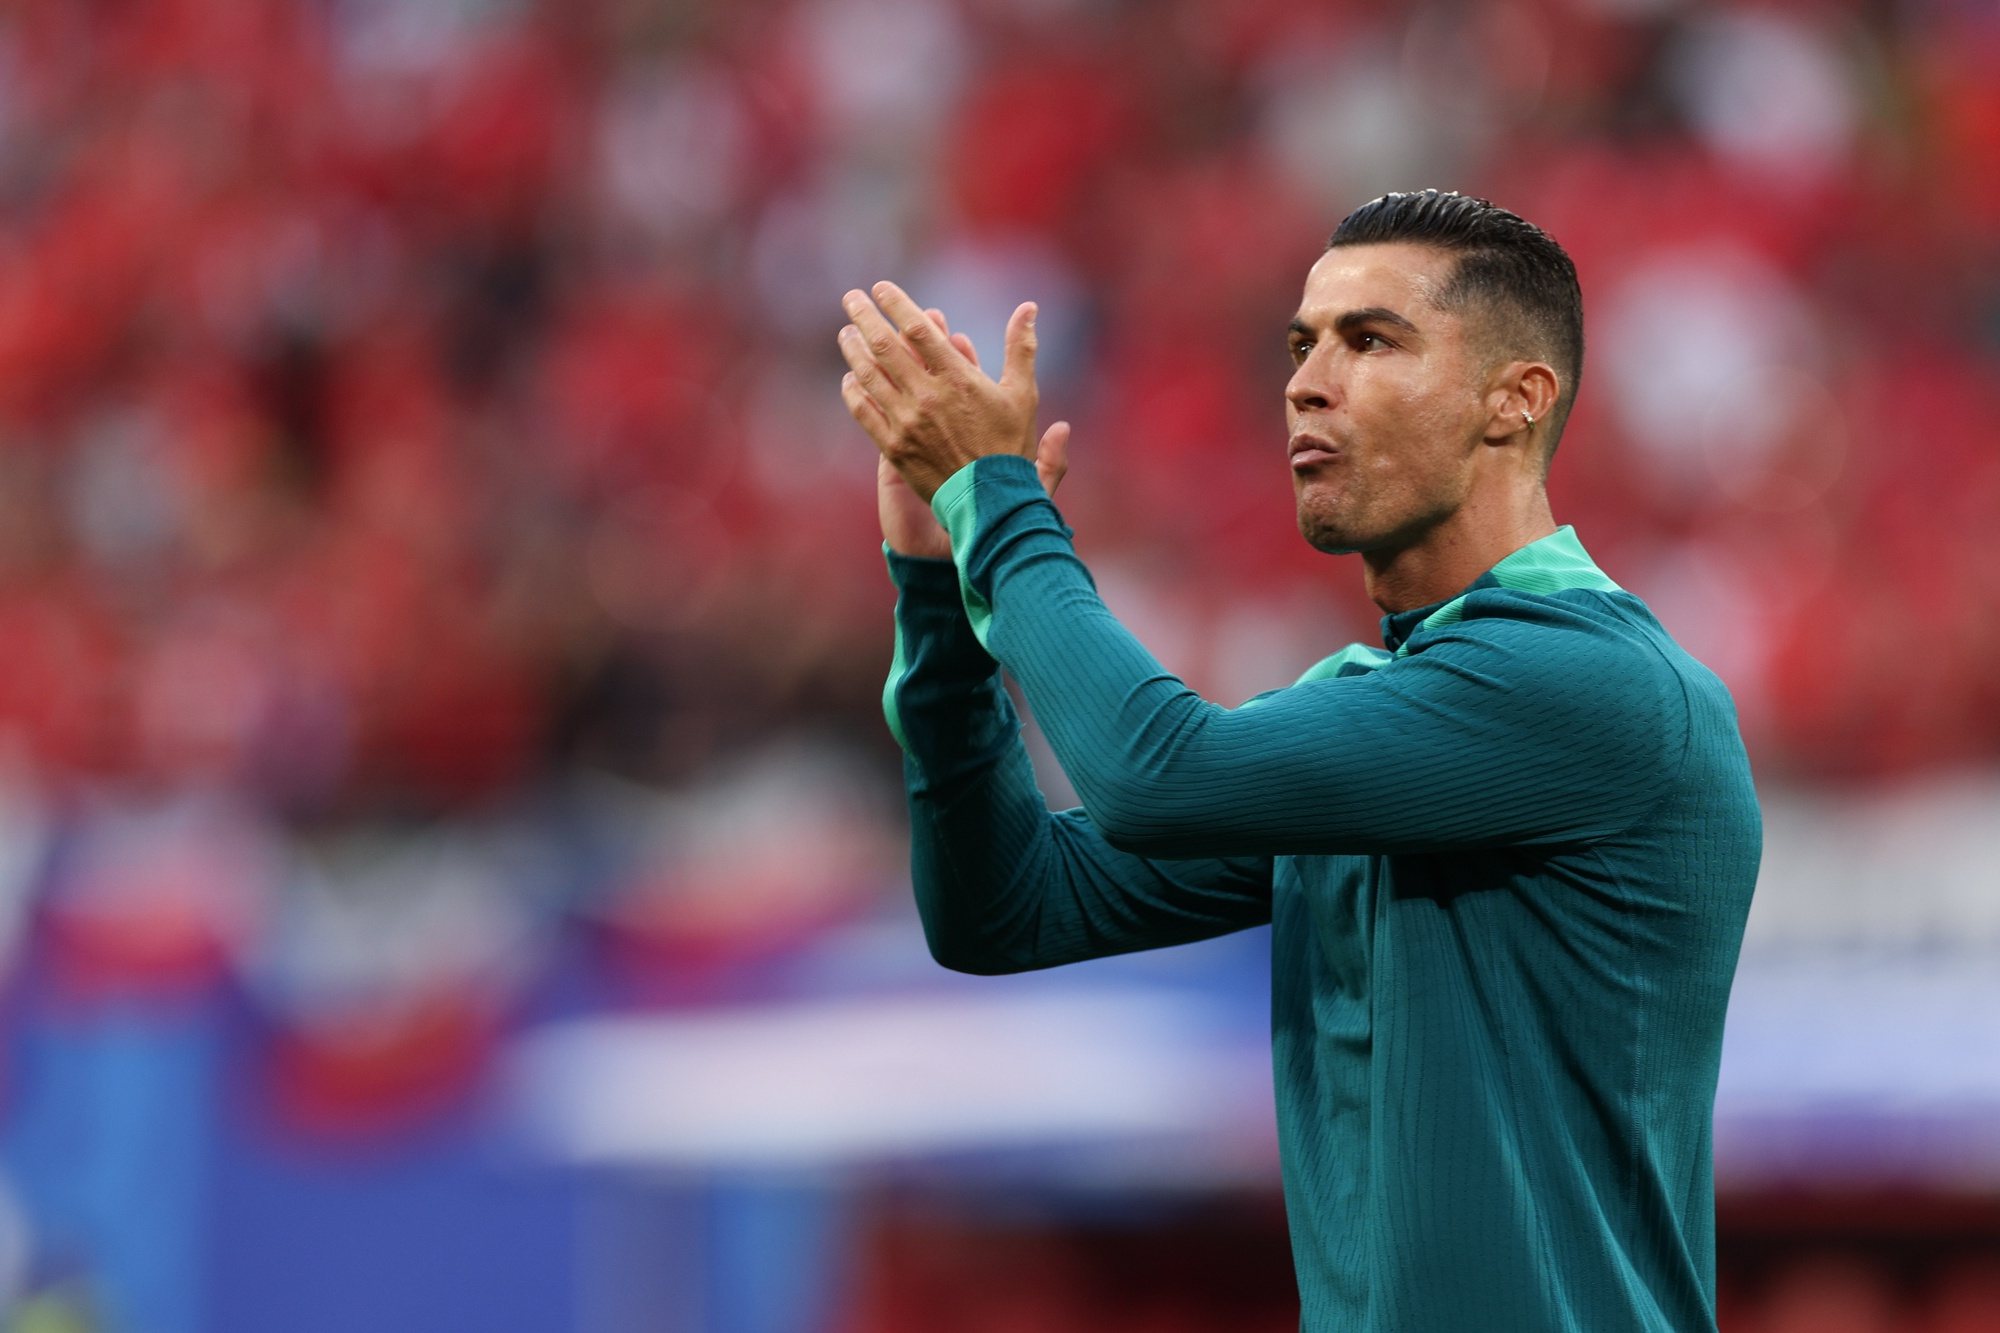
(1310,389)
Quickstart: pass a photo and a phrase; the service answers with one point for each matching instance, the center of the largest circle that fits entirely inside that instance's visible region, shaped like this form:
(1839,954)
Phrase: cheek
(1431,416)
(1413,436)
(1423,405)
(1399,417)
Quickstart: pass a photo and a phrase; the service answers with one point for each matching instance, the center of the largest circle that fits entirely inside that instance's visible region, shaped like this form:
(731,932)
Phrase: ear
(1519,387)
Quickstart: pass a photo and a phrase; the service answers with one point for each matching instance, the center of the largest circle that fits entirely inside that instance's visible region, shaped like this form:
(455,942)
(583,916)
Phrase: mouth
(1310,451)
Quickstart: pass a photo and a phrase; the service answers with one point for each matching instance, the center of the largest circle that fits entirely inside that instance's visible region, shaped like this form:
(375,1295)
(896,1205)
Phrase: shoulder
(1604,627)
(1575,651)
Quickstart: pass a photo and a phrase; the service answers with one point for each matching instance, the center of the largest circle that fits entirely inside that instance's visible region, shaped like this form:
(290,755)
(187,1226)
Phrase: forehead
(1397,276)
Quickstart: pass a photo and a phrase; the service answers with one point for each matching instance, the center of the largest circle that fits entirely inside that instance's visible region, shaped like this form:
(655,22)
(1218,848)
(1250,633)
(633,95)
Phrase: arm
(1002,884)
(1524,722)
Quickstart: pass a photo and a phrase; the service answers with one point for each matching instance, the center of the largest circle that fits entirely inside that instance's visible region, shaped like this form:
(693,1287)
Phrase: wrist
(932,547)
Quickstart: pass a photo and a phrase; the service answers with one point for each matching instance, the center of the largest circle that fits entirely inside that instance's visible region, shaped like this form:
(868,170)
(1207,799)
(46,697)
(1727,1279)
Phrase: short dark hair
(1504,261)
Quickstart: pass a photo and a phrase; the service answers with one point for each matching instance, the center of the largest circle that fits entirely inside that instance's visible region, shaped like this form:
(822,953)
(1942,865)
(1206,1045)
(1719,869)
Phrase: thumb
(1018,370)
(1052,456)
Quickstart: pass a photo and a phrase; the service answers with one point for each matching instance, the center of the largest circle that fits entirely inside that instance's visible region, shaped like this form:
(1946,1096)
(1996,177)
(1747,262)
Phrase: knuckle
(882,344)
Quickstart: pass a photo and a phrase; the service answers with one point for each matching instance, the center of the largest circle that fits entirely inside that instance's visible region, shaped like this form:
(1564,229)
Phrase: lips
(1312,450)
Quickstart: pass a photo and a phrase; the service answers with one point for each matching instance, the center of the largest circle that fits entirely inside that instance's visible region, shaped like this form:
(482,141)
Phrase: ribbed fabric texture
(1507,862)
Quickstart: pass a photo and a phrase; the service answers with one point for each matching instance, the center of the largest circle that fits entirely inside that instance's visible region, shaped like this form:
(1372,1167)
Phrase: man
(1506,857)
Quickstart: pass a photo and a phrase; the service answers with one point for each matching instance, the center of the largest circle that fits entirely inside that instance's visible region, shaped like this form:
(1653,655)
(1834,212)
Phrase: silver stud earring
(1525,417)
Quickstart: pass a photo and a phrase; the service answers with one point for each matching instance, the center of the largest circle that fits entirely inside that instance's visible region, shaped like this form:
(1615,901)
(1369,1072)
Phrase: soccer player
(1506,856)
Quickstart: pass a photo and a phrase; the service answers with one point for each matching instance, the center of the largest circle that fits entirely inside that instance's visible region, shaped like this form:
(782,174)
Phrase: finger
(919,330)
(1018,370)
(865,369)
(865,410)
(1052,456)
(958,340)
(881,341)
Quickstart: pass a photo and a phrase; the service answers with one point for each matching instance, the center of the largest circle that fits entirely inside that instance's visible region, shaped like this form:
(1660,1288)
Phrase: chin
(1329,538)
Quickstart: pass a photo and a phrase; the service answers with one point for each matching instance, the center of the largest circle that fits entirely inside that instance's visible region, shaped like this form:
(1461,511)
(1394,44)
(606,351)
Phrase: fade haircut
(1505,263)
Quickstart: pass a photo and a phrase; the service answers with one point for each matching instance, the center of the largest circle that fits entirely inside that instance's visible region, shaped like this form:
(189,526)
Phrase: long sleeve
(1003,884)
(1514,717)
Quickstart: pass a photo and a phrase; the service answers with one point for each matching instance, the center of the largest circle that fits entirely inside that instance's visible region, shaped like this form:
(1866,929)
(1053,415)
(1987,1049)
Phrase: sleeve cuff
(956,503)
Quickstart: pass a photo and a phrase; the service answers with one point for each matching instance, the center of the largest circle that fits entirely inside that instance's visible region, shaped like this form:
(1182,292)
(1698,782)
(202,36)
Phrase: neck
(1452,553)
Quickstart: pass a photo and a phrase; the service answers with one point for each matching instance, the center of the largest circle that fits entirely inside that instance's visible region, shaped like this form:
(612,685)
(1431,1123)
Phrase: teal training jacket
(1506,857)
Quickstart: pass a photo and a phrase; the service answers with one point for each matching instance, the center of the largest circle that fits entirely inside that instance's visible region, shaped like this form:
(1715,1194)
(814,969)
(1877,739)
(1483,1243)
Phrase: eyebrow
(1354,319)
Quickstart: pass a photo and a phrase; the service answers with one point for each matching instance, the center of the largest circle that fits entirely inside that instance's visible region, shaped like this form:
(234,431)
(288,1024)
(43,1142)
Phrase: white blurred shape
(671,145)
(810,247)
(1864,1027)
(978,283)
(1768,90)
(1690,341)
(26,832)
(888,69)
(1345,123)
(1910,866)
(407,38)
(125,501)
(849,1081)
(373,922)
(190,868)
(1862,1065)
(777,835)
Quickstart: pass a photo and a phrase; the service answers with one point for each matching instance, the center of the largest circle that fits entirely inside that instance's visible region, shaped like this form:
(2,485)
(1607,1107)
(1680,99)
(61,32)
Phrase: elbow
(975,964)
(973,956)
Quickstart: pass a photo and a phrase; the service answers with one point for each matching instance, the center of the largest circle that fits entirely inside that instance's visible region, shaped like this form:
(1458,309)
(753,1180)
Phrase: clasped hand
(918,391)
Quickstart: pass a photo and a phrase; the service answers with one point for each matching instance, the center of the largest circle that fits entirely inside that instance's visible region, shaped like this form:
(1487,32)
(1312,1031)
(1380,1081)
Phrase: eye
(1301,348)
(1365,341)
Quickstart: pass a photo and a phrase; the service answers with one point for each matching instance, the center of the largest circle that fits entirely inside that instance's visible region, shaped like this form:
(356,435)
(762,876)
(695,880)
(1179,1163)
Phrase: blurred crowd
(403,402)
(409,410)
(427,512)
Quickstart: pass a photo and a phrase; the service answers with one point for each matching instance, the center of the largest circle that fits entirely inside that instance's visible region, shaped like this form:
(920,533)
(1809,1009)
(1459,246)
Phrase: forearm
(1118,721)
(1001,883)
